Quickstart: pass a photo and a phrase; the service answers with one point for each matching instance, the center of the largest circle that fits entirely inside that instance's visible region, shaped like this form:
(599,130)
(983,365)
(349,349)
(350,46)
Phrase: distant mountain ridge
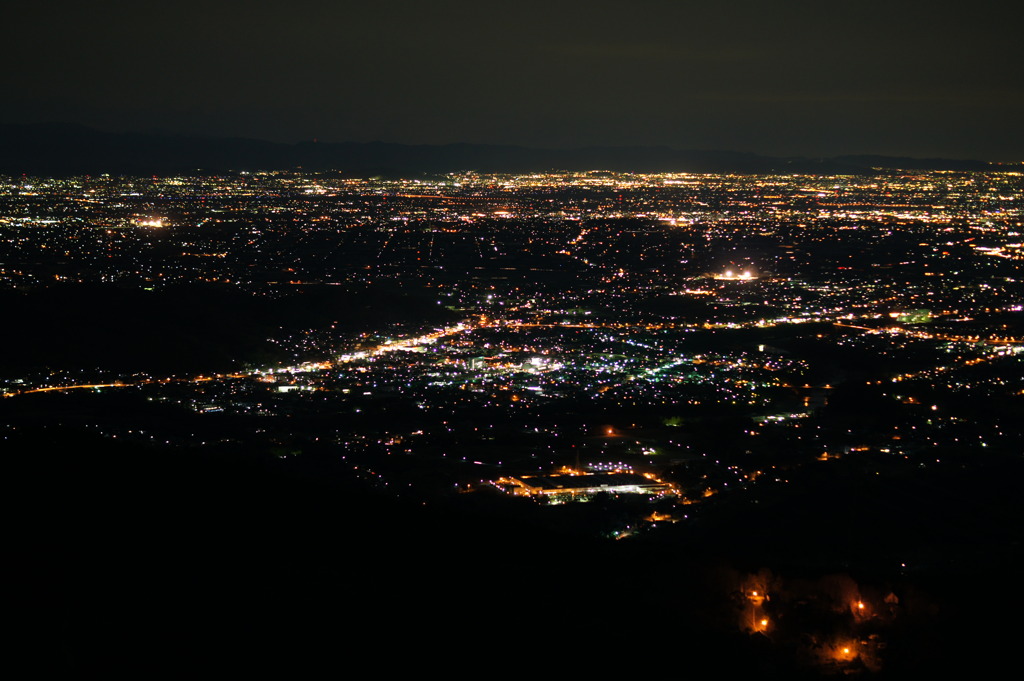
(68,149)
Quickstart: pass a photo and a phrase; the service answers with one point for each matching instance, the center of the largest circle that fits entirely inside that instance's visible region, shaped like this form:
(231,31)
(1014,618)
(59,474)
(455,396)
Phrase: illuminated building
(585,485)
(736,275)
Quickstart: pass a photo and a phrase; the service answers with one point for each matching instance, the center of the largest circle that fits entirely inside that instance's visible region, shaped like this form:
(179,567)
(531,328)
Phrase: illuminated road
(391,346)
(483,322)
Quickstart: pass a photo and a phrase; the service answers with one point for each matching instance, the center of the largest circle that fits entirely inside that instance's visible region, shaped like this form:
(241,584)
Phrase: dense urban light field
(656,359)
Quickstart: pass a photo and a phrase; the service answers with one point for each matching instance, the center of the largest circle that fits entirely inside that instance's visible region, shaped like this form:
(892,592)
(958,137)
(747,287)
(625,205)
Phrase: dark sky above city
(784,78)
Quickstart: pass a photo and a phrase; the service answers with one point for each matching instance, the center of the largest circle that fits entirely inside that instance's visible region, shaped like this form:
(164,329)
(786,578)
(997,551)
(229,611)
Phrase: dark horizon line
(161,132)
(66,147)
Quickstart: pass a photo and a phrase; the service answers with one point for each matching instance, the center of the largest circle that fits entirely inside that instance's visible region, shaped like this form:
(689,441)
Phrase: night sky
(781,78)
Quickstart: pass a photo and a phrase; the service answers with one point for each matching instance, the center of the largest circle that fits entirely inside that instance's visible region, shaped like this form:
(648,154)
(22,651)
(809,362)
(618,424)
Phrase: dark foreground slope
(141,561)
(132,561)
